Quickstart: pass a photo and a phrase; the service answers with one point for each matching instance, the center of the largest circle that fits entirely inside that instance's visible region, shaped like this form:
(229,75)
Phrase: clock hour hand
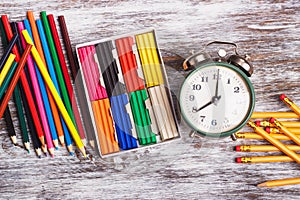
(204,106)
(214,100)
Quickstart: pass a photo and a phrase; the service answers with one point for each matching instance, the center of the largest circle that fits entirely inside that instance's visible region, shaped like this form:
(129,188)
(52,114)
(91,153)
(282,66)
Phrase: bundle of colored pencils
(33,70)
(275,130)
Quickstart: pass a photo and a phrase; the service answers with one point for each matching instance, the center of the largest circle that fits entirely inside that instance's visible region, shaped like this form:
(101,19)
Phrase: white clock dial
(215,99)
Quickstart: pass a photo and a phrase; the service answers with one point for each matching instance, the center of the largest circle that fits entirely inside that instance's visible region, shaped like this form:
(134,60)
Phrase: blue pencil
(45,98)
(53,77)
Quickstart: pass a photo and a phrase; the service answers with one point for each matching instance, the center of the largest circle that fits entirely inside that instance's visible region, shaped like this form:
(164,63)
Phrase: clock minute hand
(217,84)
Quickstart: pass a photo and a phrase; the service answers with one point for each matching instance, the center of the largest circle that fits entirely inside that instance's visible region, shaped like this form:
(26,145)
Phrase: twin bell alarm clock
(216,97)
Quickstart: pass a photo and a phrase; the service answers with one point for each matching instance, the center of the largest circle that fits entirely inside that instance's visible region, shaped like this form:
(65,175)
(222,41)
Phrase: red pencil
(66,75)
(24,82)
(14,80)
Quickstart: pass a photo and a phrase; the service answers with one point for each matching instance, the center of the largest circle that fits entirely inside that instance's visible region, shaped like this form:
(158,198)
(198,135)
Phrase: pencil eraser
(237,148)
(257,123)
(238,160)
(268,129)
(282,96)
(272,120)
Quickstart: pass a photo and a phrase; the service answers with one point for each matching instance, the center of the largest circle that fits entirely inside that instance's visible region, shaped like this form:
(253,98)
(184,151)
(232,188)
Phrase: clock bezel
(243,121)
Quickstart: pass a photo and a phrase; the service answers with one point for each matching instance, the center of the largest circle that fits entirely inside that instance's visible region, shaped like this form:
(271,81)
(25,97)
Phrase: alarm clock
(217,98)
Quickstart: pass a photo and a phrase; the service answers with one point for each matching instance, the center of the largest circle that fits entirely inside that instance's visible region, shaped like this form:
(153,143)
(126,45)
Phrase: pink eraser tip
(268,129)
(282,97)
(257,123)
(272,120)
(238,148)
(238,160)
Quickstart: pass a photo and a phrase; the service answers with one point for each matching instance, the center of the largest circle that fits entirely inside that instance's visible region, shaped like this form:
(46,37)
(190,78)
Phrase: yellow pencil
(274,114)
(264,159)
(285,131)
(264,148)
(291,104)
(280,182)
(55,94)
(289,124)
(250,135)
(273,130)
(275,142)
(6,67)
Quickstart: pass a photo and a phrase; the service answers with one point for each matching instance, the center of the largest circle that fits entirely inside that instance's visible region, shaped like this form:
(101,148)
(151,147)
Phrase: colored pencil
(7,116)
(7,79)
(60,78)
(24,80)
(275,142)
(77,81)
(6,67)
(280,182)
(33,32)
(274,114)
(42,103)
(19,97)
(14,80)
(55,94)
(9,46)
(66,77)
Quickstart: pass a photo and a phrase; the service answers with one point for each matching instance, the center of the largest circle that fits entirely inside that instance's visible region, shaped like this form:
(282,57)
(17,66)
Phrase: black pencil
(76,75)
(7,116)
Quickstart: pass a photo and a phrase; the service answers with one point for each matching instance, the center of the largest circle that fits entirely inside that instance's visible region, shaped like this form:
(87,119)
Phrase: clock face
(217,99)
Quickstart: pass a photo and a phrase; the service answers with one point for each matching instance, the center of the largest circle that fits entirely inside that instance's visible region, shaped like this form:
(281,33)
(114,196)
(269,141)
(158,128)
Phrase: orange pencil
(14,80)
(54,109)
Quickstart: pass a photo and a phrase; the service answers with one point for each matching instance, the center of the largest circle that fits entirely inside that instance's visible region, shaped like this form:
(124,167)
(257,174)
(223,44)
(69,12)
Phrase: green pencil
(61,81)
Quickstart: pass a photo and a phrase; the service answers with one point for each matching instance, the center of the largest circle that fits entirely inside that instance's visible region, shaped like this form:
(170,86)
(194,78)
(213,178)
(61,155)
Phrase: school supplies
(126,76)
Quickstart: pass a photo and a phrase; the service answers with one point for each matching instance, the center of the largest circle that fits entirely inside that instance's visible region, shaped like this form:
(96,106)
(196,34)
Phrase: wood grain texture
(187,169)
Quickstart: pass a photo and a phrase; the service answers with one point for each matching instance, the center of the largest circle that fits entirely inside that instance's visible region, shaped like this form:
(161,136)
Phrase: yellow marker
(291,104)
(264,148)
(54,93)
(6,67)
(249,135)
(285,131)
(290,124)
(280,182)
(274,114)
(275,142)
(264,159)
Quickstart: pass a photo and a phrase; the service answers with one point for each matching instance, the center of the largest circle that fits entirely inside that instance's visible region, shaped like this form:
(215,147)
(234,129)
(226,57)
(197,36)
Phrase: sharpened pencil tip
(72,154)
(262,185)
(56,148)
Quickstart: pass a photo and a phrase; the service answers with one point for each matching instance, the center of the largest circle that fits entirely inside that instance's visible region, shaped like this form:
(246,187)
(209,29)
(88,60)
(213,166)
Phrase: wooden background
(269,31)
